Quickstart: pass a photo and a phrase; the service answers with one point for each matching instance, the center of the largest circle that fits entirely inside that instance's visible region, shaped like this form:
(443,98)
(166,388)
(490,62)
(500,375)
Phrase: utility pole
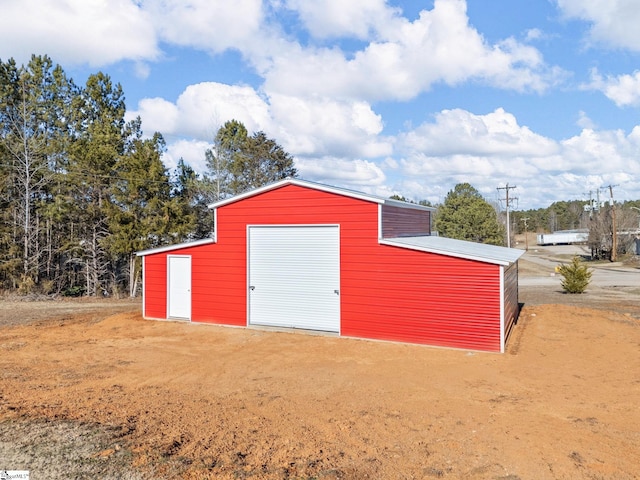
(636,208)
(526,237)
(507,203)
(614,228)
(593,205)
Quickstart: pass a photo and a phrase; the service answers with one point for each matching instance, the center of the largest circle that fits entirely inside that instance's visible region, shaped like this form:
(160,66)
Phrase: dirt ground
(91,390)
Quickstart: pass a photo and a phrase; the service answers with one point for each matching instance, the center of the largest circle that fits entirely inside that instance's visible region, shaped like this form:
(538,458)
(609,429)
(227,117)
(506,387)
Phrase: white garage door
(179,286)
(294,277)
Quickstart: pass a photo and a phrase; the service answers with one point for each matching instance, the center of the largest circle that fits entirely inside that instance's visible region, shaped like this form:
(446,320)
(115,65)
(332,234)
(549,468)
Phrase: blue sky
(387,97)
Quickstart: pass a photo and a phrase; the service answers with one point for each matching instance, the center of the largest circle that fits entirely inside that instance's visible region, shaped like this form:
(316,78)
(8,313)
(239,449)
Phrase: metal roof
(320,186)
(168,248)
(281,183)
(458,248)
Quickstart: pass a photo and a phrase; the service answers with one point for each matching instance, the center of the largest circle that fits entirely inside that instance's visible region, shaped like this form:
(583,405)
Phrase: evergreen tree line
(572,215)
(599,220)
(82,190)
(563,215)
(466,215)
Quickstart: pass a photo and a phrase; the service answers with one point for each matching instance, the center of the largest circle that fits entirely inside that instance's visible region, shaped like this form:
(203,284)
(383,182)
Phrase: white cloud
(490,150)
(142,70)
(584,121)
(76,31)
(337,18)
(462,132)
(407,58)
(203,108)
(341,143)
(341,171)
(608,151)
(614,22)
(623,90)
(324,69)
(158,115)
(316,126)
(207,106)
(103,32)
(212,26)
(320,126)
(399,59)
(533,34)
(192,151)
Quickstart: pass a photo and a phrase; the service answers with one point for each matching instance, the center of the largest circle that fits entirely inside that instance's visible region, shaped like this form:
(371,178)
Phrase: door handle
(252,288)
(337,292)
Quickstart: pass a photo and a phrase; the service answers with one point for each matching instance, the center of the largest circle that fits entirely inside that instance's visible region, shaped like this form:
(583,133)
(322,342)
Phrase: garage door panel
(294,277)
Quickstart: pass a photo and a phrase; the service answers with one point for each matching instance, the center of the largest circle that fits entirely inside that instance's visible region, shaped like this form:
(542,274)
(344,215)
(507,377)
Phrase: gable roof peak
(317,186)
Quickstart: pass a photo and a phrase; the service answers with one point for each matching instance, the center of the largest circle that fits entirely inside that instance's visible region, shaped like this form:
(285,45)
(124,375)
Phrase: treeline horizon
(572,215)
(82,189)
(560,215)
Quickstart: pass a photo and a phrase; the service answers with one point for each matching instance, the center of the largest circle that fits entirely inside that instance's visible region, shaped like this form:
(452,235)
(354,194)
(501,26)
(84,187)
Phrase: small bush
(576,276)
(75,291)
(26,285)
(47,286)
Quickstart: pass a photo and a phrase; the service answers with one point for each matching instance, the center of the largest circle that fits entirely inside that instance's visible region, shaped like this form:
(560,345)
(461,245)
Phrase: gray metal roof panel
(168,248)
(458,248)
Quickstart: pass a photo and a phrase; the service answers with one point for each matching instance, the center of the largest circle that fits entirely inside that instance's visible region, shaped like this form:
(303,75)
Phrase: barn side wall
(398,294)
(511,305)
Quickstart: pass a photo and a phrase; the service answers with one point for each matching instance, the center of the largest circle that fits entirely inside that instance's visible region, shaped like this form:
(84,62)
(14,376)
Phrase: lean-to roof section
(458,248)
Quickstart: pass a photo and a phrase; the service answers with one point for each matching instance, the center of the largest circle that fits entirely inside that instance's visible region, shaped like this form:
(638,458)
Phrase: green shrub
(576,276)
(75,291)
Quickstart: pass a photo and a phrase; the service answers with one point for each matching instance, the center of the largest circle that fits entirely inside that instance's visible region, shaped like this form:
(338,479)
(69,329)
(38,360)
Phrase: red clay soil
(198,401)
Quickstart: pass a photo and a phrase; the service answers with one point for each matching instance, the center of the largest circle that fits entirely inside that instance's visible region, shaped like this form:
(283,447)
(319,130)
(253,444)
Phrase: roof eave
(321,187)
(177,246)
(403,204)
(449,253)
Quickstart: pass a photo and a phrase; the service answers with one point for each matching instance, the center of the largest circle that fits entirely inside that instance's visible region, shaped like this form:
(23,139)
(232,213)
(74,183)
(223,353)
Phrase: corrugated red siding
(393,293)
(387,292)
(511,305)
(154,288)
(405,222)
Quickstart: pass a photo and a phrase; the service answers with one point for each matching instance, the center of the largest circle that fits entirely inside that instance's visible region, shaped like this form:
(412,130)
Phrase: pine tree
(239,162)
(576,276)
(194,193)
(33,107)
(142,213)
(99,140)
(465,215)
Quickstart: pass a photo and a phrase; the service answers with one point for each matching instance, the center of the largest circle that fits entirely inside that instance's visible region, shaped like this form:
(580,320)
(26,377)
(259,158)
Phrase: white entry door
(179,286)
(294,277)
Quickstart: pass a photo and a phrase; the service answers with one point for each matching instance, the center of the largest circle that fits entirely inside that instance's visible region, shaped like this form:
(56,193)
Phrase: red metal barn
(297,254)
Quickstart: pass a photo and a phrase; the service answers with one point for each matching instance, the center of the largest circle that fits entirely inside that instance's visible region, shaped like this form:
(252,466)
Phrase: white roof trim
(403,204)
(168,248)
(457,248)
(318,186)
